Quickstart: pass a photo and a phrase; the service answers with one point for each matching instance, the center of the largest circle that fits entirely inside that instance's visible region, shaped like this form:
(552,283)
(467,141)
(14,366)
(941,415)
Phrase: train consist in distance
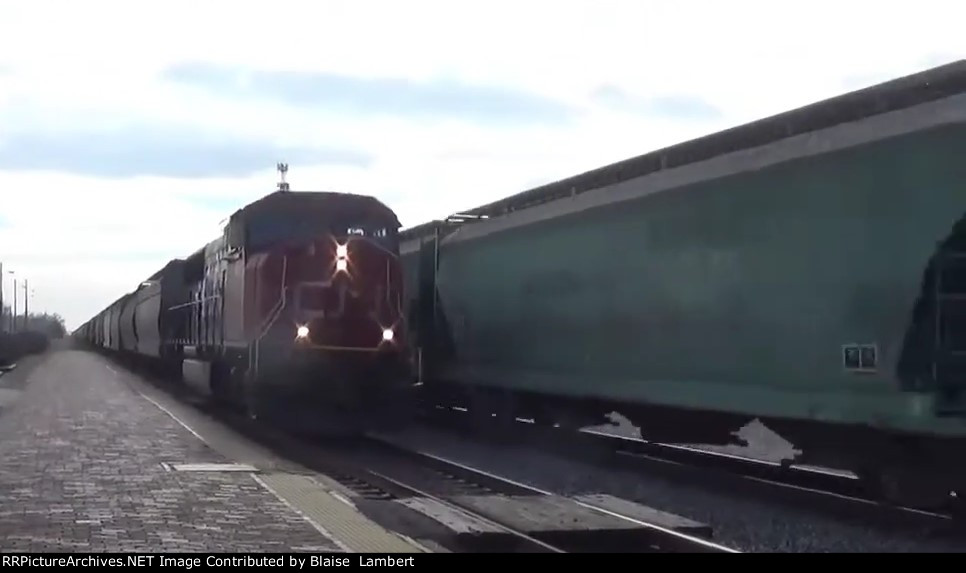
(808,270)
(295,309)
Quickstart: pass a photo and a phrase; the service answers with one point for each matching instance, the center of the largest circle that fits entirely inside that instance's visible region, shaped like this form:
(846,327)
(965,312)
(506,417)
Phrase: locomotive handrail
(276,309)
(253,355)
(194,302)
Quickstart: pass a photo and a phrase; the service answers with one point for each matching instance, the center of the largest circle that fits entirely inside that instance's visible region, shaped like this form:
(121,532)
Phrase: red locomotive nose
(346,295)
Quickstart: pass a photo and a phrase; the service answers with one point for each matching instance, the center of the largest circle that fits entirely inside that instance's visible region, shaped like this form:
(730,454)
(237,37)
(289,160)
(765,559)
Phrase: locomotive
(294,312)
(807,270)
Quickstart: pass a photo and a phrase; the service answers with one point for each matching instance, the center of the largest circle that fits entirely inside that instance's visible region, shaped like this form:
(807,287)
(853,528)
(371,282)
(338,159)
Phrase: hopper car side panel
(174,293)
(736,294)
(105,321)
(147,309)
(115,330)
(110,328)
(126,325)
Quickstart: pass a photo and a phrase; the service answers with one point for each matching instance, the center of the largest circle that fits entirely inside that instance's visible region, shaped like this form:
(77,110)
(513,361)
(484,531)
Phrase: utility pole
(3,326)
(26,297)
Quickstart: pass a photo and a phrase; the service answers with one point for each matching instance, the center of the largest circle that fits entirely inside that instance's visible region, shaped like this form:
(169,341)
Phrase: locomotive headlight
(302,332)
(387,334)
(342,251)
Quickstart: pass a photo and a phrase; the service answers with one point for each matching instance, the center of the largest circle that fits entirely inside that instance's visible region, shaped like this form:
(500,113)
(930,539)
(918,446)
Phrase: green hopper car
(807,270)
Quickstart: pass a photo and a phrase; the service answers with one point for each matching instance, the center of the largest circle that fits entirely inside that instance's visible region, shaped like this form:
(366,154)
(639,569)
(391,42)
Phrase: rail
(837,494)
(657,538)
(824,489)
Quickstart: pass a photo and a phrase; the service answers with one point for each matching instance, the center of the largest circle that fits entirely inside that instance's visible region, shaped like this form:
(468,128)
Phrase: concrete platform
(94,459)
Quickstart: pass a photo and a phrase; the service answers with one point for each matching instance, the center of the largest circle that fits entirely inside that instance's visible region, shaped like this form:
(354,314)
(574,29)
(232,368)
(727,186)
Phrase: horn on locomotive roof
(282,169)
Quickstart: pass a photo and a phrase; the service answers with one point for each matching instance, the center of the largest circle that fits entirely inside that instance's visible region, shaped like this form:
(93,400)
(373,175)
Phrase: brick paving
(81,456)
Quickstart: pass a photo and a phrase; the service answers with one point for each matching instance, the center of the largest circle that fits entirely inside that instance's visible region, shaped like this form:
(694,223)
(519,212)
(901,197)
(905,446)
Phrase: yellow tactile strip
(335,518)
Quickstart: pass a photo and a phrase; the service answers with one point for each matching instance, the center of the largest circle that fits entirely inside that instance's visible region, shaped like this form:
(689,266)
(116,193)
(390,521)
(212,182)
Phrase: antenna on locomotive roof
(282,170)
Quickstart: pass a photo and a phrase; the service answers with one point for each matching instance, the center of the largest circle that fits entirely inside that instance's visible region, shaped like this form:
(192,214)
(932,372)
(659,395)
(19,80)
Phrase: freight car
(295,309)
(807,270)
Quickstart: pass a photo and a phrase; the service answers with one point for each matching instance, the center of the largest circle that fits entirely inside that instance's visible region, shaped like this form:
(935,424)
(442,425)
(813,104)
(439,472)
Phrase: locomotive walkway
(92,460)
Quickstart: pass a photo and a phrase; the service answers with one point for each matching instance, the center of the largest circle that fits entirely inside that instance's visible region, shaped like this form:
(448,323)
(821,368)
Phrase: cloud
(399,97)
(159,151)
(432,106)
(671,107)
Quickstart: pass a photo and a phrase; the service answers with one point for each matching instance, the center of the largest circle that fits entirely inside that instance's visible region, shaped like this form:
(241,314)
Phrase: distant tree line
(51,325)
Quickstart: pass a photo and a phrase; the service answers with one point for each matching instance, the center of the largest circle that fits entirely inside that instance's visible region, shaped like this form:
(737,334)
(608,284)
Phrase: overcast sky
(129,130)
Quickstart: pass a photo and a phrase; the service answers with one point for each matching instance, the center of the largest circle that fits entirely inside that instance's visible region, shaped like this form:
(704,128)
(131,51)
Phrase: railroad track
(463,509)
(635,535)
(391,472)
(380,470)
(476,532)
(834,493)
(821,489)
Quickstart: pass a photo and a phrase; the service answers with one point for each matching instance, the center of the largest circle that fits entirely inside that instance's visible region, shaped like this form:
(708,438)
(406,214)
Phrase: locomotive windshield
(268,230)
(385,236)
